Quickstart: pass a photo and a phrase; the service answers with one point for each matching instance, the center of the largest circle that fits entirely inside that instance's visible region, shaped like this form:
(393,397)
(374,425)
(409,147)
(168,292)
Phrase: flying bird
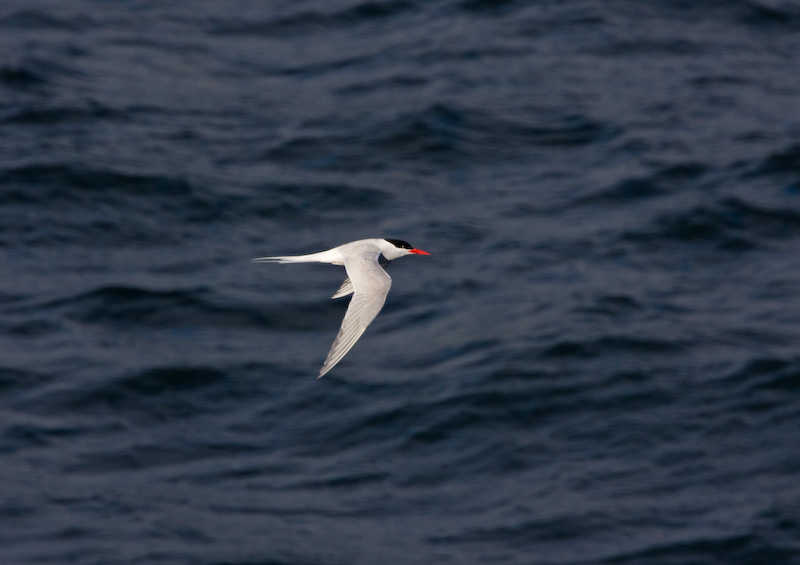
(367,281)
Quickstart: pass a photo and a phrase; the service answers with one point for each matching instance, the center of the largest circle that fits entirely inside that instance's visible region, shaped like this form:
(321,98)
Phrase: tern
(367,281)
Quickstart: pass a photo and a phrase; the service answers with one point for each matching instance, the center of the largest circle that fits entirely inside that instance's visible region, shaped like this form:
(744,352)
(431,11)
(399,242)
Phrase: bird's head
(399,248)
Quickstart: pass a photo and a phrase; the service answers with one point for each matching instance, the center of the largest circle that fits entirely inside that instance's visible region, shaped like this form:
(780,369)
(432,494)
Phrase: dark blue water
(598,364)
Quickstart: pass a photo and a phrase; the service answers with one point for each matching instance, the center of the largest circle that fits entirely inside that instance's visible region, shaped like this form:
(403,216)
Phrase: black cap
(400,243)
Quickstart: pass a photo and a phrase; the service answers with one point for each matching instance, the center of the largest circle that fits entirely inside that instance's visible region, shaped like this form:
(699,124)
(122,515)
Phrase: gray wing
(345,289)
(347,286)
(370,286)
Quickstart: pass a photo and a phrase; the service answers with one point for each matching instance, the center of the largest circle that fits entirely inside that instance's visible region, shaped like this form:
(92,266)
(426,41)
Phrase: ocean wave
(786,161)
(439,134)
(131,307)
(730,223)
(31,19)
(308,21)
(59,115)
(106,207)
(664,181)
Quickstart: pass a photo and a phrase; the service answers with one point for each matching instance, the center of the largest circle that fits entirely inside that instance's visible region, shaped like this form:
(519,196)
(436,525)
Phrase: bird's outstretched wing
(369,284)
(347,286)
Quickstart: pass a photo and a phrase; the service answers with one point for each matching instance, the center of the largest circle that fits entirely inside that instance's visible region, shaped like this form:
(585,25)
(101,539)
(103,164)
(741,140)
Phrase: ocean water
(599,363)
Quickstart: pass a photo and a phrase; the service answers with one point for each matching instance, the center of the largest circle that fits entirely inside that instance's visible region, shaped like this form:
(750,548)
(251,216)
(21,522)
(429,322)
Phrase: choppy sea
(599,363)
